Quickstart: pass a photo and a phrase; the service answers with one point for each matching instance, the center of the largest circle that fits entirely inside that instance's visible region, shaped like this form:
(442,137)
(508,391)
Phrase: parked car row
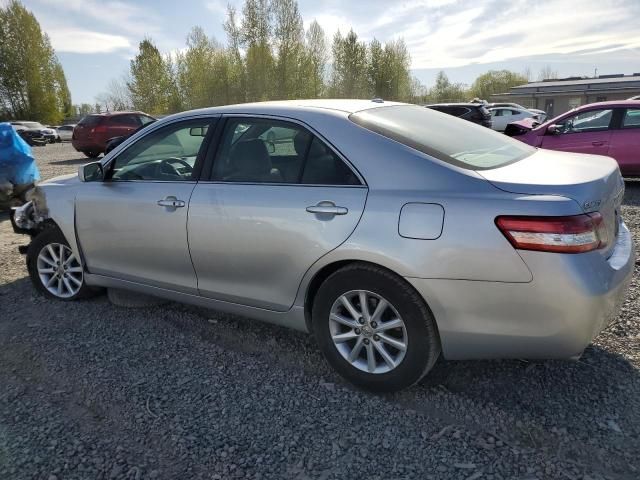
(604,128)
(492,115)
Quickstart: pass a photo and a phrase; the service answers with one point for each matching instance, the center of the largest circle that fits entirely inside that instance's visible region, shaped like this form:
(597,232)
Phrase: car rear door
(625,142)
(585,132)
(133,225)
(259,222)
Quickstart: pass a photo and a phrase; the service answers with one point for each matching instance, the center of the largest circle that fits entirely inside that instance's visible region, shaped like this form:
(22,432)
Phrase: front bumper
(569,301)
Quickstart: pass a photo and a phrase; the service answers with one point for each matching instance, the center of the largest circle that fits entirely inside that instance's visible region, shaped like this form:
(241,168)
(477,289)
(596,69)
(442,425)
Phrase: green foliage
(151,85)
(32,82)
(445,91)
(349,75)
(495,81)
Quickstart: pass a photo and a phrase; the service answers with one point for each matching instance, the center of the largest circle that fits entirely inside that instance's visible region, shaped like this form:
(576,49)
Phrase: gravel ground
(88,390)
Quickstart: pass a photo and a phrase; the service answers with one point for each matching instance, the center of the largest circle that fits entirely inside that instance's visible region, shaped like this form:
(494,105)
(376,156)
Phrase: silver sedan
(393,232)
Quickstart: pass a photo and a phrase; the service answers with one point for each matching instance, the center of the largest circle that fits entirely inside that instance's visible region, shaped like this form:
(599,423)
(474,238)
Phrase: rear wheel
(374,328)
(54,269)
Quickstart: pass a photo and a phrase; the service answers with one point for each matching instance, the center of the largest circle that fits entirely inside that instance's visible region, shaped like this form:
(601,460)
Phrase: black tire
(423,345)
(51,235)
(92,154)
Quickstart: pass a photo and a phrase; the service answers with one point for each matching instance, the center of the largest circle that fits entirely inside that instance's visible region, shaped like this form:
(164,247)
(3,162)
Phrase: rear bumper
(569,301)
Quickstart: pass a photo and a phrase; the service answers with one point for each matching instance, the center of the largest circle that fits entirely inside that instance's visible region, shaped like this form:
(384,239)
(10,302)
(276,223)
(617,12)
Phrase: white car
(503,116)
(65,132)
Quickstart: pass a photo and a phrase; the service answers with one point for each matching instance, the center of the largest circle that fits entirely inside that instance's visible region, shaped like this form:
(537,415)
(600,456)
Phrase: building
(561,95)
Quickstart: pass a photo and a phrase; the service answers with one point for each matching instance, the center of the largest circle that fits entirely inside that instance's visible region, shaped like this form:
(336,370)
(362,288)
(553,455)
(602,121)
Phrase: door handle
(597,143)
(171,202)
(327,208)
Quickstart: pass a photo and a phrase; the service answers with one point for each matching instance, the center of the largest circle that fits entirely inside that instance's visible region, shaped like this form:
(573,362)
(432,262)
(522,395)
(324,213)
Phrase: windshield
(446,138)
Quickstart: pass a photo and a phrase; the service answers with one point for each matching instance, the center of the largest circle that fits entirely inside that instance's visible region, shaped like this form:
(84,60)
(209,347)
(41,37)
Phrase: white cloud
(475,34)
(85,41)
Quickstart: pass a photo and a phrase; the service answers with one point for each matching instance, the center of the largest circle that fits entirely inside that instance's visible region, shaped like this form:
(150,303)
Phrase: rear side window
(91,120)
(272,151)
(631,118)
(456,142)
(125,120)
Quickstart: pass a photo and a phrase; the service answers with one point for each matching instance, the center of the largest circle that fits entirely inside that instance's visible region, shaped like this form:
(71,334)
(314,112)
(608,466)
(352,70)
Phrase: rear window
(90,120)
(449,139)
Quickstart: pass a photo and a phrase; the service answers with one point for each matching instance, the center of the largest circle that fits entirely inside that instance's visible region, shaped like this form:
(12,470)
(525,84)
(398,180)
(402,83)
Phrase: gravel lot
(88,390)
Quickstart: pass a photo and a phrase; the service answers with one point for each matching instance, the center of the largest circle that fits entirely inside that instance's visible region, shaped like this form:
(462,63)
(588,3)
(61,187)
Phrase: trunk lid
(593,181)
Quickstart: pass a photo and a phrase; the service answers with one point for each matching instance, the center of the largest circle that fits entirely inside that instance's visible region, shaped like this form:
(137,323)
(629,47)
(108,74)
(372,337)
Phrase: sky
(96,39)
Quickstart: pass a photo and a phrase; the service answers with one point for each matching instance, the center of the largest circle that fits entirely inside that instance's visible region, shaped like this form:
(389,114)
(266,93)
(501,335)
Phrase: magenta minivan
(605,128)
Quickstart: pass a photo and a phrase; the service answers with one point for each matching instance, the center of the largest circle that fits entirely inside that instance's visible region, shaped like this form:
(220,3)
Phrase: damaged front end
(32,217)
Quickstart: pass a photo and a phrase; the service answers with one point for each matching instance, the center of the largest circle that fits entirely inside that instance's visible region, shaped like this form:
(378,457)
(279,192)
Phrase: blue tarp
(17,165)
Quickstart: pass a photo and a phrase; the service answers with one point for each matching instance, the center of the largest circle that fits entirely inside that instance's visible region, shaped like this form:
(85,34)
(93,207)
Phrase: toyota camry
(392,232)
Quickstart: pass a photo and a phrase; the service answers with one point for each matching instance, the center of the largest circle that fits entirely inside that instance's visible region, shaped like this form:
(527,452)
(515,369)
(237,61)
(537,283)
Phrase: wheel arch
(327,270)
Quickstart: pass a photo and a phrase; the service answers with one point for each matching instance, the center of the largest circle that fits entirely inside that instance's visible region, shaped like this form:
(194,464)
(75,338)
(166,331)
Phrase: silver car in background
(392,232)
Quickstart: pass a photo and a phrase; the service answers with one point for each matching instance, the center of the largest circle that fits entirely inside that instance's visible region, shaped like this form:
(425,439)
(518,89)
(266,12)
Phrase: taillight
(99,129)
(574,234)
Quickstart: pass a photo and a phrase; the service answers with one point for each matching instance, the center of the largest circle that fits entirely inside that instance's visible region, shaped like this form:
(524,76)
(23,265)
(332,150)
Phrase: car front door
(584,132)
(278,199)
(133,225)
(625,142)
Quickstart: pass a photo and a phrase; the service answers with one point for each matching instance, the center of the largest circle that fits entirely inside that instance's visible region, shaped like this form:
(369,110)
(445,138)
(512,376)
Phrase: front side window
(631,118)
(274,151)
(462,144)
(168,154)
(591,121)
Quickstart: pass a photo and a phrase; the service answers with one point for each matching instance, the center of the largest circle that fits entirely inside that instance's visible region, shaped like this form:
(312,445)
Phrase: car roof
(339,105)
(456,104)
(123,112)
(611,104)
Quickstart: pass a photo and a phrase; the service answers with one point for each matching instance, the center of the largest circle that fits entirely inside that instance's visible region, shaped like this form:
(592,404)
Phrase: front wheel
(374,328)
(54,269)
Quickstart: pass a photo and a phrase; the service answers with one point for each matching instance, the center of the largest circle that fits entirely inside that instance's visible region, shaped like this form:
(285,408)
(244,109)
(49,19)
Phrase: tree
(349,75)
(315,61)
(547,73)
(236,82)
(288,40)
(83,109)
(151,84)
(117,96)
(255,34)
(445,91)
(495,81)
(32,83)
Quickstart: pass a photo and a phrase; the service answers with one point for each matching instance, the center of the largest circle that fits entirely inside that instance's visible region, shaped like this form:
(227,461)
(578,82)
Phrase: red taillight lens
(99,129)
(574,234)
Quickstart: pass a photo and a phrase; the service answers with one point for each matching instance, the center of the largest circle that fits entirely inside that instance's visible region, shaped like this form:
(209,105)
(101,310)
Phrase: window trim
(212,153)
(201,159)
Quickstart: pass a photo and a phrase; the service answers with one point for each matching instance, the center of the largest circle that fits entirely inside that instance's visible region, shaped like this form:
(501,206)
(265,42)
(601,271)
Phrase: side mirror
(91,172)
(554,129)
(198,131)
(271,147)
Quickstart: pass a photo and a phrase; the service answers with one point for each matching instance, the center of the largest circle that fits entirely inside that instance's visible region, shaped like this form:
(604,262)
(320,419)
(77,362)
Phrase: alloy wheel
(368,331)
(59,270)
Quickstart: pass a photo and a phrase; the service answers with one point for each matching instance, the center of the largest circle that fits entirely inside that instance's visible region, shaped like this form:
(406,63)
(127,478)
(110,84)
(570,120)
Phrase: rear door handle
(171,202)
(327,208)
(597,143)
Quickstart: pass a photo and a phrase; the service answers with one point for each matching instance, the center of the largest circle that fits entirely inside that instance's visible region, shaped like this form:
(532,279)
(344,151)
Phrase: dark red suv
(91,134)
